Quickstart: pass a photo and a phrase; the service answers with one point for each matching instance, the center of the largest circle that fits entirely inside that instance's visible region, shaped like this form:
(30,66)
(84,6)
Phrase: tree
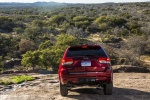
(56,19)
(1,64)
(7,24)
(81,21)
(49,55)
(45,58)
(80,18)
(18,30)
(77,32)
(134,27)
(133,48)
(26,45)
(66,40)
(106,22)
(45,45)
(31,59)
(38,23)
(32,32)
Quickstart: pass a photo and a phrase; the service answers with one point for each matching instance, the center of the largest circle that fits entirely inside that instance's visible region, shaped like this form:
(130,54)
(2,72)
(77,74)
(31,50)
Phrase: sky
(73,1)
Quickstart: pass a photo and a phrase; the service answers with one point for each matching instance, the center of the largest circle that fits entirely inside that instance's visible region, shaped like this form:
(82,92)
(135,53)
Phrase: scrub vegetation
(15,79)
(35,35)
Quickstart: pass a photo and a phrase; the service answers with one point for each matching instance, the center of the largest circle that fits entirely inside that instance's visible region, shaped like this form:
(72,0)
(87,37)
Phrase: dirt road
(127,86)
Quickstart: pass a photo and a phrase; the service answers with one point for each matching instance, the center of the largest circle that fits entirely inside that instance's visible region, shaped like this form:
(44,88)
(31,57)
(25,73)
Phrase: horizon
(70,1)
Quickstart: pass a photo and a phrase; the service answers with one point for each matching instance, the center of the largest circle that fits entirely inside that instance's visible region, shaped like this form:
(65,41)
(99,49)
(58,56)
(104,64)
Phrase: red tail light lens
(67,61)
(84,46)
(63,69)
(104,60)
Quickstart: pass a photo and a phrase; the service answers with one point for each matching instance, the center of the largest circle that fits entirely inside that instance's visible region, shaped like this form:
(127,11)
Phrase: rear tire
(108,89)
(63,90)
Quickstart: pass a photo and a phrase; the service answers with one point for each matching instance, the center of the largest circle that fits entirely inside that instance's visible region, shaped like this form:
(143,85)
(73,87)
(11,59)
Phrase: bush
(16,79)
(77,32)
(81,21)
(107,23)
(31,59)
(80,18)
(6,24)
(1,64)
(22,78)
(26,45)
(56,19)
(66,40)
(49,56)
(45,45)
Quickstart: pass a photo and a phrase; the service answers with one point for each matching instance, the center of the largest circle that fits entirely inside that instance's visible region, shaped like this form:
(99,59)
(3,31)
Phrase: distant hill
(49,3)
(15,4)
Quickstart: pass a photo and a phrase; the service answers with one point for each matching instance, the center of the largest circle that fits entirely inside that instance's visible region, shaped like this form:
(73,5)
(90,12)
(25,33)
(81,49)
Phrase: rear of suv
(85,65)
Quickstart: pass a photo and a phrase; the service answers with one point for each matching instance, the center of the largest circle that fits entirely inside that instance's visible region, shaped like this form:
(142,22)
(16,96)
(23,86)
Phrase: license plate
(84,80)
(86,63)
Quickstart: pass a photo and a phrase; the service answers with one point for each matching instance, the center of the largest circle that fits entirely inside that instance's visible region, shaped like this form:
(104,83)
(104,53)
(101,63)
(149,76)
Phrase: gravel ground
(127,86)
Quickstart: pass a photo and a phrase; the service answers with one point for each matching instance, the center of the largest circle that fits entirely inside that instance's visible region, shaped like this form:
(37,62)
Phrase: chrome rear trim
(87,73)
(79,73)
(94,72)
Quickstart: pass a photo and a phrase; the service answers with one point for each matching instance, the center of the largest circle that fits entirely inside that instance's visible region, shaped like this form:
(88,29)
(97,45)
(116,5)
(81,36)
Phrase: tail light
(84,46)
(63,72)
(63,69)
(67,61)
(104,60)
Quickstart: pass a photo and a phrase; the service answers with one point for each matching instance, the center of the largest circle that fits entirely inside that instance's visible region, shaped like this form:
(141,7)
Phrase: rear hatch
(82,59)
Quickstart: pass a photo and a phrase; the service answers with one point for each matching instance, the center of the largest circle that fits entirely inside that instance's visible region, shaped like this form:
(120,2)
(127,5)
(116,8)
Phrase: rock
(12,62)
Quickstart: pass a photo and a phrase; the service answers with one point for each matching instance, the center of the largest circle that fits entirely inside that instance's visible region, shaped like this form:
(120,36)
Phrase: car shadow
(118,94)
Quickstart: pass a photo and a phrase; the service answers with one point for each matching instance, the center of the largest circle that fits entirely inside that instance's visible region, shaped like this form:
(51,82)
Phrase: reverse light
(67,61)
(104,60)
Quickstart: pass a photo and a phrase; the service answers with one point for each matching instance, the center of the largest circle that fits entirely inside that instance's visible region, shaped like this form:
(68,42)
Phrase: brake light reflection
(67,61)
(104,60)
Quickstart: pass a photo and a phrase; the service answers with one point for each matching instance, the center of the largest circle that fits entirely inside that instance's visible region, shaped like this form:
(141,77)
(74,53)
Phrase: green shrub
(16,79)
(45,45)
(80,18)
(5,82)
(1,64)
(126,15)
(109,21)
(20,79)
(56,19)
(48,55)
(82,23)
(31,59)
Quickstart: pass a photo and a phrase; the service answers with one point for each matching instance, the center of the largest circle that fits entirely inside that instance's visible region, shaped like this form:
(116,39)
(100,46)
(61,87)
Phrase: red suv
(85,65)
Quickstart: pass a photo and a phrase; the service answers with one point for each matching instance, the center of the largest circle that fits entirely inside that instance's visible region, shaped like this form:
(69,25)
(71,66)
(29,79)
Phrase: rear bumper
(99,77)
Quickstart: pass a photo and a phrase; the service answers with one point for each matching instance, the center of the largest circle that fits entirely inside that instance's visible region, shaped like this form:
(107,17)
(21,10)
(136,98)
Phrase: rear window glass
(92,51)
